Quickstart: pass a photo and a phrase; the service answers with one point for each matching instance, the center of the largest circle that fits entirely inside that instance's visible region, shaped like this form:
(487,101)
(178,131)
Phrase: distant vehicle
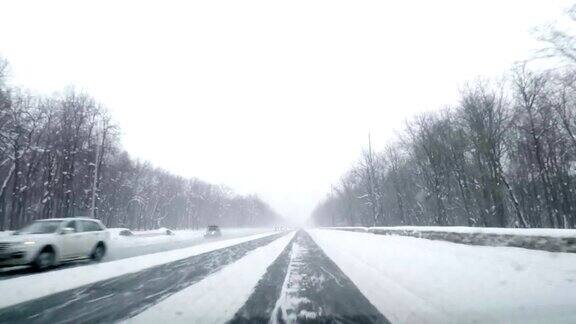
(155,232)
(212,231)
(166,231)
(49,242)
(121,232)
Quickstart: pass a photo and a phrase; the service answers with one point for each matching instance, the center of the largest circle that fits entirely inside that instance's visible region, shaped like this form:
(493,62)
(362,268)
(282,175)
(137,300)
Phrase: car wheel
(44,260)
(99,252)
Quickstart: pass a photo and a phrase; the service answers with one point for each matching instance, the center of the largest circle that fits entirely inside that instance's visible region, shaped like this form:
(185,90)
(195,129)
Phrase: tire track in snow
(304,286)
(216,298)
(259,306)
(127,295)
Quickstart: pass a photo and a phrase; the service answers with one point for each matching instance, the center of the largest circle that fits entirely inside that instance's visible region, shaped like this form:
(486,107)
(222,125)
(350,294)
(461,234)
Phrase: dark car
(212,231)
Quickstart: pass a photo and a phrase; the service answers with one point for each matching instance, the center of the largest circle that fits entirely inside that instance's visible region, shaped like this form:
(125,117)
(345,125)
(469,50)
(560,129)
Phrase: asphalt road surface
(313,276)
(309,276)
(122,252)
(302,268)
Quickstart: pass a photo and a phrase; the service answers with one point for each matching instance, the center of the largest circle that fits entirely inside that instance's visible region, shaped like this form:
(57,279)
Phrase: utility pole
(369,146)
(371,182)
(95,180)
(333,210)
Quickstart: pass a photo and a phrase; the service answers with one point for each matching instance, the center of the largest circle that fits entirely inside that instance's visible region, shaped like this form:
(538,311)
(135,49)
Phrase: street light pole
(95,180)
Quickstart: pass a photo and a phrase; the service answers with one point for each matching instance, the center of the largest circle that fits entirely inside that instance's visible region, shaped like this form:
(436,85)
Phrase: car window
(74,225)
(90,226)
(40,227)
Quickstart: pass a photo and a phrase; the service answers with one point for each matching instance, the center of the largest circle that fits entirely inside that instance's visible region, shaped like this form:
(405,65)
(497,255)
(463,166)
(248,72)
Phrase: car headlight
(25,243)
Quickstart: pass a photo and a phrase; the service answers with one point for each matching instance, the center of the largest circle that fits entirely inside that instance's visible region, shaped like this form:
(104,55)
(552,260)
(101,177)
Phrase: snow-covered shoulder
(550,232)
(414,280)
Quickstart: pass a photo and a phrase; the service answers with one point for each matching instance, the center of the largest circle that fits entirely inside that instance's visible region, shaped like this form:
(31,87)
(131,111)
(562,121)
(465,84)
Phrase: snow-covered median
(38,285)
(412,280)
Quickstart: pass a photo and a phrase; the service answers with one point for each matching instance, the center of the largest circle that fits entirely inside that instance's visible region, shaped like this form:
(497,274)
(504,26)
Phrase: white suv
(46,243)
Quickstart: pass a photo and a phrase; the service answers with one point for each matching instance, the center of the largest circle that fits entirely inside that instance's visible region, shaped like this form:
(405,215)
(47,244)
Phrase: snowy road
(122,247)
(124,296)
(306,276)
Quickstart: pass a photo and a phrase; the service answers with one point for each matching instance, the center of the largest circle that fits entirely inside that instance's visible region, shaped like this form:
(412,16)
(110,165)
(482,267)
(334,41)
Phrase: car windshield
(288,161)
(40,227)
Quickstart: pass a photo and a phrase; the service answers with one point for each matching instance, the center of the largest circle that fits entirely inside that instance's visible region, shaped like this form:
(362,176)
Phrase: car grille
(4,246)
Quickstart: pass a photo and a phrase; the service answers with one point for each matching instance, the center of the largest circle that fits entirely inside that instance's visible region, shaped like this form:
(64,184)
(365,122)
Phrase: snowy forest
(60,156)
(503,156)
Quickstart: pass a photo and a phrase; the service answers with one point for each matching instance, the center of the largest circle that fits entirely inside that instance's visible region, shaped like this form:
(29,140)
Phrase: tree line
(60,157)
(503,156)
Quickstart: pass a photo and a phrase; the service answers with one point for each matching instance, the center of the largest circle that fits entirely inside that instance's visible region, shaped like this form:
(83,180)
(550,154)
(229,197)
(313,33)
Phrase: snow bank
(421,281)
(216,298)
(42,284)
(550,232)
(145,242)
(546,239)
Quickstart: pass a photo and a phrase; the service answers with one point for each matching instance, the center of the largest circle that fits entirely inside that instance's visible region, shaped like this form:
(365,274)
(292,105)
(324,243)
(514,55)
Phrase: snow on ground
(144,242)
(551,232)
(42,284)
(415,280)
(216,298)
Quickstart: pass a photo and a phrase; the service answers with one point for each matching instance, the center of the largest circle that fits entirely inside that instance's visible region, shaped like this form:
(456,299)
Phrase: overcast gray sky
(267,97)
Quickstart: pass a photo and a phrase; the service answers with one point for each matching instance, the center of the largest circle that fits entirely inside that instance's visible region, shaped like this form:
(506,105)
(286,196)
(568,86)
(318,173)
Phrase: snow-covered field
(412,280)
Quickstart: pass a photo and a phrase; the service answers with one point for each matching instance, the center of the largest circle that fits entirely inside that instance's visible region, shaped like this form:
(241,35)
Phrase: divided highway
(310,276)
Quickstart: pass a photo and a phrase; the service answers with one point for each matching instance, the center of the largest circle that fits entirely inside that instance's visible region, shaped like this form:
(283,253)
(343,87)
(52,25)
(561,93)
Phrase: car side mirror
(67,230)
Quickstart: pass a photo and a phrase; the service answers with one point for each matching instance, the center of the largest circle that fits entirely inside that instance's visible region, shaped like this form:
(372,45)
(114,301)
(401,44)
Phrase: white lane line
(216,298)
